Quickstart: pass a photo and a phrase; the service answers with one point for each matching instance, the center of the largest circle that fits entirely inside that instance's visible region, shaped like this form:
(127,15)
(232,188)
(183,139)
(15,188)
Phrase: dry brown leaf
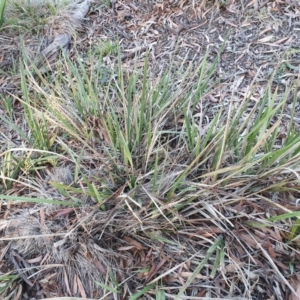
(152,274)
(35,260)
(253,3)
(134,243)
(81,288)
(232,268)
(250,241)
(64,212)
(295,283)
(280,264)
(67,282)
(126,248)
(265,39)
(42,214)
(142,255)
(189,274)
(75,285)
(149,254)
(270,250)
(172,279)
(99,266)
(20,292)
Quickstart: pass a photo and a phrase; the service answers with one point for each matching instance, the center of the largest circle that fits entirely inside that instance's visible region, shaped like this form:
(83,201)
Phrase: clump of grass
(25,16)
(2,9)
(164,197)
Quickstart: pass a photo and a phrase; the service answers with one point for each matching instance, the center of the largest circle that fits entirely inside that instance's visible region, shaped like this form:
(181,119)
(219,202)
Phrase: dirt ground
(256,37)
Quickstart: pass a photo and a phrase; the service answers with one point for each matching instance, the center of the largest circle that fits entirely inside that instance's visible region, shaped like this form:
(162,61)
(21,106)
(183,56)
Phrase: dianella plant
(2,8)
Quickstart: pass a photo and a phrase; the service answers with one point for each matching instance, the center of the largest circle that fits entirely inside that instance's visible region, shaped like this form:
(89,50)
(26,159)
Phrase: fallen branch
(65,26)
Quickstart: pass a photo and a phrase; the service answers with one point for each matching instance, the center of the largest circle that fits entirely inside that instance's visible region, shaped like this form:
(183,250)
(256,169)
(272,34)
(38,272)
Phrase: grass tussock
(142,187)
(26,17)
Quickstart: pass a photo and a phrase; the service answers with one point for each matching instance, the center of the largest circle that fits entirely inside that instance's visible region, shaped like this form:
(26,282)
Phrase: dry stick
(60,42)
